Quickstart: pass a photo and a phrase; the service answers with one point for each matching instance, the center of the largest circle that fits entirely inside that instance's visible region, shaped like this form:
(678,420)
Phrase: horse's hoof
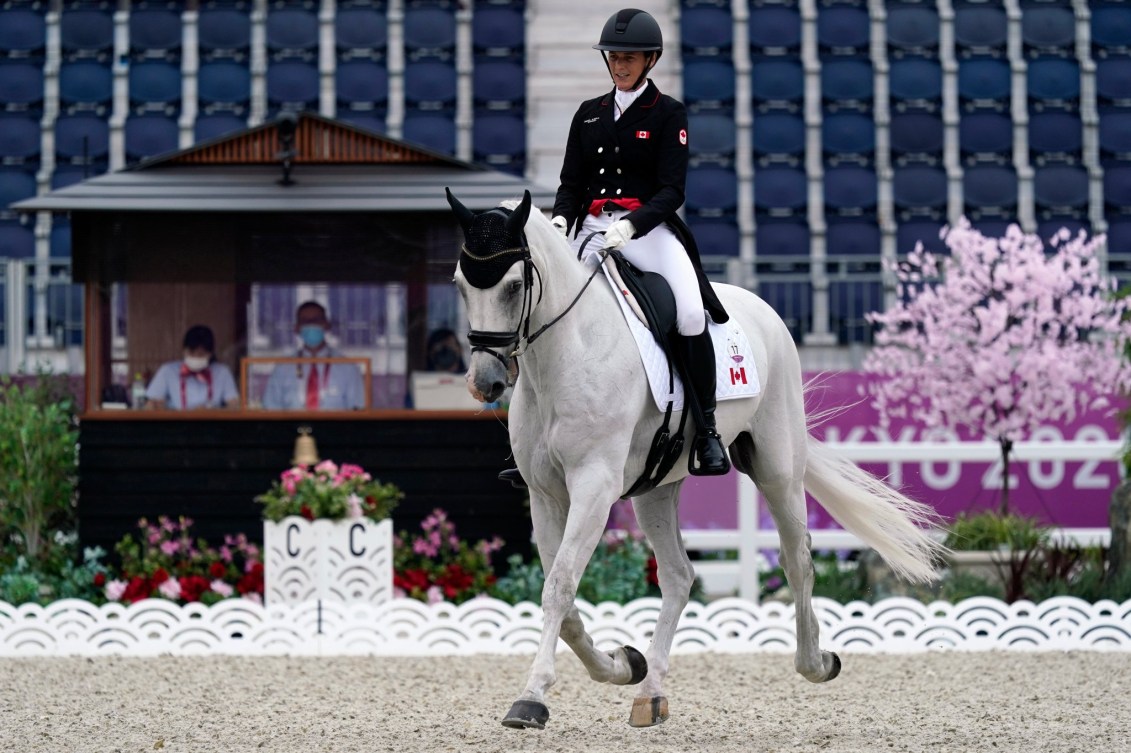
(648,712)
(527,715)
(637,663)
(836,667)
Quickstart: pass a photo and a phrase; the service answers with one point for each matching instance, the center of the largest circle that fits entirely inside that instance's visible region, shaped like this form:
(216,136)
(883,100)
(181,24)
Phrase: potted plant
(327,535)
(998,548)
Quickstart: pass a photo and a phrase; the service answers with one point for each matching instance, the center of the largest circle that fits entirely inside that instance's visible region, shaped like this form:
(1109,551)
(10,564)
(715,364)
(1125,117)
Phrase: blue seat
(993,228)
(430,85)
(362,85)
(208,127)
(912,30)
(711,138)
(224,86)
(498,84)
(292,85)
(155,86)
(774,84)
(847,83)
(155,34)
(1048,29)
(916,84)
(429,33)
(16,184)
(985,137)
(850,191)
(848,137)
(292,33)
(793,302)
(499,140)
(778,137)
(1119,238)
(716,237)
(711,192)
(916,137)
(224,34)
(498,32)
(708,85)
(1055,137)
(990,190)
(774,30)
(1111,30)
(86,34)
(843,30)
(361,33)
(81,139)
(1061,191)
(908,234)
(1054,82)
(981,29)
(919,191)
(21,87)
(1113,83)
(1115,137)
(782,239)
(17,242)
(1117,189)
(370,121)
(984,84)
(23,33)
(68,175)
(853,238)
(150,135)
(86,85)
(706,32)
(20,138)
(780,191)
(435,131)
(849,302)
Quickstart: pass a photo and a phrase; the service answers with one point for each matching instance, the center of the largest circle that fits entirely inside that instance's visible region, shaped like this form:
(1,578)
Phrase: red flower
(137,589)
(455,580)
(411,580)
(99,580)
(653,575)
(306,512)
(193,587)
(159,576)
(252,581)
(217,570)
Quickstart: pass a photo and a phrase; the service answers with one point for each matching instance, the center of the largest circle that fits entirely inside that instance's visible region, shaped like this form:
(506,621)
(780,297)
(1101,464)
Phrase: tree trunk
(1119,518)
(1006,448)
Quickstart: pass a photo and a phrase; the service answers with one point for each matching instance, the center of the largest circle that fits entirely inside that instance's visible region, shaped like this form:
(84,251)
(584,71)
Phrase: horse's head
(495,277)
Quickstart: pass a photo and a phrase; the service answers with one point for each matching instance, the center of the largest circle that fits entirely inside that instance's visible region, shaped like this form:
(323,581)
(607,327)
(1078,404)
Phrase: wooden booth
(232,234)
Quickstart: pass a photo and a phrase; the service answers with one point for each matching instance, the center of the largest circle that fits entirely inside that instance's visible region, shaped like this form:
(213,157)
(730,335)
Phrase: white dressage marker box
(349,561)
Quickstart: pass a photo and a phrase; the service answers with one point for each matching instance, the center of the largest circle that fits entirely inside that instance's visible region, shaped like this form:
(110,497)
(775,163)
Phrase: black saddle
(654,296)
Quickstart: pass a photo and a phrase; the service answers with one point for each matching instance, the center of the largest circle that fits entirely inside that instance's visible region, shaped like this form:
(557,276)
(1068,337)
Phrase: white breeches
(661,252)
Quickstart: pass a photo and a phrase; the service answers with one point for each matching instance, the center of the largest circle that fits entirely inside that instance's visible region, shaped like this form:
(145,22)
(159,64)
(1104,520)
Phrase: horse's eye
(514,287)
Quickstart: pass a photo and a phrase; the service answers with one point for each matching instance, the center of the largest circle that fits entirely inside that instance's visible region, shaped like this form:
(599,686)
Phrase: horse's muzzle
(486,378)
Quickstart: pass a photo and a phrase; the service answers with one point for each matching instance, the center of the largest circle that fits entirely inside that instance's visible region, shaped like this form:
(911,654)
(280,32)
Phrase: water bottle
(137,392)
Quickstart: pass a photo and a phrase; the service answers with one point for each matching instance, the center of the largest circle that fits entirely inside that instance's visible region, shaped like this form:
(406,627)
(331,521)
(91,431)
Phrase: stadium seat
(1049,29)
(224,86)
(706,32)
(430,85)
(985,137)
(907,234)
(16,184)
(847,84)
(912,30)
(68,175)
(1054,82)
(843,30)
(774,30)
(81,139)
(498,32)
(292,85)
(781,239)
(980,29)
(435,131)
(155,34)
(1055,137)
(709,85)
(849,302)
(362,85)
(16,242)
(716,237)
(429,33)
(155,86)
(1113,83)
(848,137)
(919,192)
(86,34)
(984,84)
(916,137)
(853,238)
(780,191)
(85,85)
(20,138)
(225,34)
(150,135)
(990,190)
(992,228)
(21,87)
(361,33)
(370,121)
(1115,137)
(775,84)
(1117,189)
(1061,191)
(916,84)
(1119,238)
(23,34)
(711,138)
(711,192)
(292,34)
(499,140)
(793,302)
(778,137)
(1111,29)
(208,127)
(850,191)
(498,84)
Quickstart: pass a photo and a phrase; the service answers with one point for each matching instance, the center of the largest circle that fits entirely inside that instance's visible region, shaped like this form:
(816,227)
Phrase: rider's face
(626,68)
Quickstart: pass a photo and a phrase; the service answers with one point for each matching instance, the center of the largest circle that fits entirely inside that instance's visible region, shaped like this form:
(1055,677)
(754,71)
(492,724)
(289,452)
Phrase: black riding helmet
(631,30)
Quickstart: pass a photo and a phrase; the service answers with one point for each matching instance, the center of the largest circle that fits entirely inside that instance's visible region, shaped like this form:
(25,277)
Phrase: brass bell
(306,452)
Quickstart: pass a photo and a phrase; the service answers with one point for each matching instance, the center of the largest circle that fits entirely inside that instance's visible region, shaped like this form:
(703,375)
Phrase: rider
(624,173)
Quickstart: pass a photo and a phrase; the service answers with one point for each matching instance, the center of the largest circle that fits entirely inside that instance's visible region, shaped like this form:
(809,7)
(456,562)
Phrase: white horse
(582,420)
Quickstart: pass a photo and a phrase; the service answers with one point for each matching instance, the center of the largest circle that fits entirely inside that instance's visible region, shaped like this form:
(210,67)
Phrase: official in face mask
(314,386)
(196,381)
(445,352)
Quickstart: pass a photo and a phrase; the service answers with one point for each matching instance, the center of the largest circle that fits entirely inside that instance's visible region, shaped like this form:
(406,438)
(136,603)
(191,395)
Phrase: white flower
(115,589)
(353,506)
(170,589)
(222,588)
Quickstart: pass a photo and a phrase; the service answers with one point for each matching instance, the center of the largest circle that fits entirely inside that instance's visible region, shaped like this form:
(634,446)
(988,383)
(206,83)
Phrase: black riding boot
(708,455)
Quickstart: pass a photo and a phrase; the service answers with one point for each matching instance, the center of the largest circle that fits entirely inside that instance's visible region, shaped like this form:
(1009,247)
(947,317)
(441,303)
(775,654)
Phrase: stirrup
(708,456)
(513,477)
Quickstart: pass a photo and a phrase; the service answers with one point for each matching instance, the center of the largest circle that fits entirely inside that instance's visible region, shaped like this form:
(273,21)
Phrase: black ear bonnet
(493,241)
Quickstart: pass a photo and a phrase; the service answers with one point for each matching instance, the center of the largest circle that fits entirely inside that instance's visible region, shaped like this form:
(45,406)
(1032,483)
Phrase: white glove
(618,234)
(560,223)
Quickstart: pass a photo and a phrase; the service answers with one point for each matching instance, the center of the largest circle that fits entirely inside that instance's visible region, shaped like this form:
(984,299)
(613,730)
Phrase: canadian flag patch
(683,136)
(643,134)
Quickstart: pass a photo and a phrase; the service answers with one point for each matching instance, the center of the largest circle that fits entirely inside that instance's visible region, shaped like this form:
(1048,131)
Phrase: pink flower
(399,593)
(421,546)
(225,554)
(251,551)
(222,588)
(435,595)
(353,506)
(255,598)
(154,537)
(170,589)
(167,524)
(329,467)
(170,547)
(115,589)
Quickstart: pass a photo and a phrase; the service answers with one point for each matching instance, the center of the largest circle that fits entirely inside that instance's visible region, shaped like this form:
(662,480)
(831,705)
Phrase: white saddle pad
(734,360)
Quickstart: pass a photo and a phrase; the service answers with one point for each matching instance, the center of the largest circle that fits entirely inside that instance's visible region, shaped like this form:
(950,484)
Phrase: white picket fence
(741,575)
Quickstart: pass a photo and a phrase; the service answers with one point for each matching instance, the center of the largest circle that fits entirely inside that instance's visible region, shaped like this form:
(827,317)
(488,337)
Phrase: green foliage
(523,581)
(63,577)
(329,491)
(841,581)
(964,585)
(990,531)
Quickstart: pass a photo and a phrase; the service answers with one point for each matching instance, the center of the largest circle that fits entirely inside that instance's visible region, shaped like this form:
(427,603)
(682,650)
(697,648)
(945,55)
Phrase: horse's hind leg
(657,515)
(778,468)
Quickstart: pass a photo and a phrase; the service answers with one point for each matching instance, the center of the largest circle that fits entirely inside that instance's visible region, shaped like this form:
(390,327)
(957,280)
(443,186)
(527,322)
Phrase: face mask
(197,363)
(312,335)
(444,359)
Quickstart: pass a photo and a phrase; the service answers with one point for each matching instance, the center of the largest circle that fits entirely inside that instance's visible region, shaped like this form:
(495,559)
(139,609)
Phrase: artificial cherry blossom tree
(1001,336)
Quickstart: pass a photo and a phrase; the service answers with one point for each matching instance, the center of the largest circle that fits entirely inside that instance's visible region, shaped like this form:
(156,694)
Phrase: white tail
(887,521)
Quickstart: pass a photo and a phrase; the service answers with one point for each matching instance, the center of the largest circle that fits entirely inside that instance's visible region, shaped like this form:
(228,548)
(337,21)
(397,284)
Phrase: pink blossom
(251,551)
(253,597)
(167,524)
(170,548)
(353,506)
(154,537)
(225,554)
(399,593)
(435,595)
(170,589)
(328,467)
(115,589)
(424,547)
(222,588)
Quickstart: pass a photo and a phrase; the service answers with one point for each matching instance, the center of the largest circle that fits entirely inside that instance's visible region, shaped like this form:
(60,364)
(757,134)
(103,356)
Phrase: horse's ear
(516,223)
(463,214)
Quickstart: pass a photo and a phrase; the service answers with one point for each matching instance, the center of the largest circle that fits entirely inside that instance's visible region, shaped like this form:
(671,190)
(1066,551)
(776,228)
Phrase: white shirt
(625,99)
(340,386)
(169,384)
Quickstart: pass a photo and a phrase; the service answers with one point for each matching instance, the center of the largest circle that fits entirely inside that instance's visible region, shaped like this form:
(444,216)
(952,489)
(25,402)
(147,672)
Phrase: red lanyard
(204,376)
